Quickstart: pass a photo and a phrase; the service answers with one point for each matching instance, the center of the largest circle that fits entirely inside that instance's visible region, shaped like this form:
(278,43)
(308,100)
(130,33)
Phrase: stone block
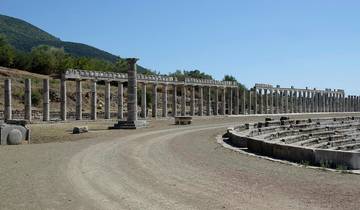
(80,129)
(13,134)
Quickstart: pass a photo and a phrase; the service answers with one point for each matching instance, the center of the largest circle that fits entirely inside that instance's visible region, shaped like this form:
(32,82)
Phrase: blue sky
(314,43)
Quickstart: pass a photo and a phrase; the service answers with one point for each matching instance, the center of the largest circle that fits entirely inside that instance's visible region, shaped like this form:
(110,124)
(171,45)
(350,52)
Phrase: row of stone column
(204,100)
(277,101)
(207,102)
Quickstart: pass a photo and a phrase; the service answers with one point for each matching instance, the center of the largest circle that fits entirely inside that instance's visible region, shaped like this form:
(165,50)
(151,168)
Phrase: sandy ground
(161,167)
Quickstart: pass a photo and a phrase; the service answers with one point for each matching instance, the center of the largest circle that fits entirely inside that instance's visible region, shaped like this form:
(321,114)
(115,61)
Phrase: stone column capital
(131,60)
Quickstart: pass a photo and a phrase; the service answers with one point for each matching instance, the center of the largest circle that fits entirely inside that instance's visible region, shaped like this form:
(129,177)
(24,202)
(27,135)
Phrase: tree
(7,53)
(47,59)
(192,74)
(233,79)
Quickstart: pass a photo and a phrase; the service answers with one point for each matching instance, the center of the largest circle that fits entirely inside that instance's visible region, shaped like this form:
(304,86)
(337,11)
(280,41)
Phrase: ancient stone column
(286,98)
(278,102)
(7,99)
(271,94)
(237,101)
(291,101)
(261,105)
(281,99)
(266,104)
(208,104)
(107,99)
(250,101)
(316,105)
(201,101)
(192,103)
(183,100)
(132,90)
(216,109)
(143,112)
(336,102)
(295,100)
(243,102)
(174,108)
(230,112)
(344,103)
(310,103)
(324,102)
(301,101)
(120,100)
(63,111)
(78,108)
(165,98)
(305,103)
(46,100)
(223,108)
(154,100)
(93,101)
(28,99)
(255,101)
(331,102)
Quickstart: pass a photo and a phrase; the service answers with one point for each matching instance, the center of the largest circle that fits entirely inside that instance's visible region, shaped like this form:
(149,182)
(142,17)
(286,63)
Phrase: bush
(35,98)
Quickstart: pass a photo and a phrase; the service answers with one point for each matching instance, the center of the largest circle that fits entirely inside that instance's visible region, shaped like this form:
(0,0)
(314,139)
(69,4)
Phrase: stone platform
(130,124)
(327,142)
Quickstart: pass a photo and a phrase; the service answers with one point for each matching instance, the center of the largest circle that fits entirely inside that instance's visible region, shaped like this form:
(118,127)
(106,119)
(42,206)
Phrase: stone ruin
(13,132)
(327,142)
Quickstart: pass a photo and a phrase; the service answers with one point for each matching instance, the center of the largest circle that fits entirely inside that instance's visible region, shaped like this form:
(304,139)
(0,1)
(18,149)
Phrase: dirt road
(165,167)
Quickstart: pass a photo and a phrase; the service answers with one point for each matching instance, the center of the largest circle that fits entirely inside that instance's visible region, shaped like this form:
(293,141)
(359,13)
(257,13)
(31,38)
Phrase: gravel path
(165,167)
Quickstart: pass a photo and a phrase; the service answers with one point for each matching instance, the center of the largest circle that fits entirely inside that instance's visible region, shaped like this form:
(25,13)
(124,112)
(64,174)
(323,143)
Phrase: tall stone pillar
(316,102)
(305,103)
(63,111)
(331,102)
(266,102)
(324,102)
(201,101)
(295,102)
(154,100)
(216,109)
(27,101)
(120,100)
(183,100)
(255,101)
(132,121)
(230,111)
(291,101)
(143,112)
(281,99)
(78,110)
(261,105)
(192,103)
(208,104)
(132,90)
(46,100)
(165,98)
(300,98)
(93,101)
(174,108)
(286,98)
(223,108)
(243,102)
(237,101)
(107,99)
(250,102)
(7,99)
(271,94)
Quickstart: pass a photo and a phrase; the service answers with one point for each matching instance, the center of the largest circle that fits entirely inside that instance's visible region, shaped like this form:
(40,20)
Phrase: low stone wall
(294,153)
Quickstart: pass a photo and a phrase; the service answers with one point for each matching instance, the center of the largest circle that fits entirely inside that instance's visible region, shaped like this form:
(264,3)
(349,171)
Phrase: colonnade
(197,97)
